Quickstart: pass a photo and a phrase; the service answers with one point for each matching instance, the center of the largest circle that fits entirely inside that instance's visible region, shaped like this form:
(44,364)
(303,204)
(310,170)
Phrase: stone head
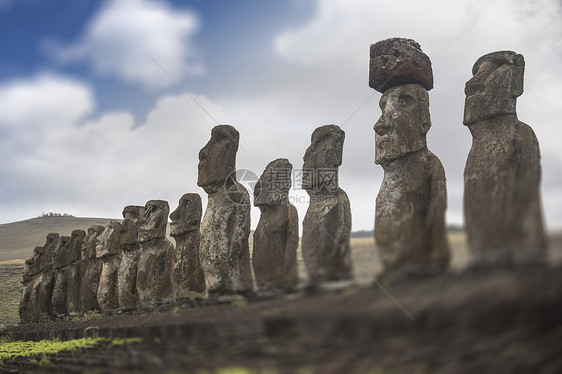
(46,255)
(153,221)
(31,265)
(108,241)
(130,225)
(217,159)
(399,61)
(404,123)
(74,245)
(272,188)
(90,242)
(187,216)
(323,157)
(60,258)
(497,81)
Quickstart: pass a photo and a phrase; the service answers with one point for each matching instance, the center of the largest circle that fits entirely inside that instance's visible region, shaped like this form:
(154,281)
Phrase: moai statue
(92,267)
(109,252)
(130,254)
(225,229)
(188,278)
(327,223)
(410,230)
(276,238)
(502,203)
(46,281)
(30,272)
(60,261)
(153,274)
(75,268)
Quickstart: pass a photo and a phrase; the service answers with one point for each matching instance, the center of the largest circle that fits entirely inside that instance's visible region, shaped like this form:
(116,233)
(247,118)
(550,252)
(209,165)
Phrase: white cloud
(122,37)
(46,97)
(95,167)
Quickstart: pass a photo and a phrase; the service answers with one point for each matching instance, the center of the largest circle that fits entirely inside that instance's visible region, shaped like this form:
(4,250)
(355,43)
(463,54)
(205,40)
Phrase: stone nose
(382,126)
(473,85)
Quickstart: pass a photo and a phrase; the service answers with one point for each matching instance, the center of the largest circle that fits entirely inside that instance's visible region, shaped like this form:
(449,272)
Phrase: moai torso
(92,267)
(153,274)
(410,229)
(45,282)
(225,229)
(188,278)
(60,260)
(327,223)
(276,238)
(410,206)
(30,272)
(75,269)
(109,252)
(130,254)
(502,202)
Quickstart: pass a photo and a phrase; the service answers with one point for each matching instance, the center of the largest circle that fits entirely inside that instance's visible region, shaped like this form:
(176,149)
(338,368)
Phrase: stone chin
(386,152)
(179,229)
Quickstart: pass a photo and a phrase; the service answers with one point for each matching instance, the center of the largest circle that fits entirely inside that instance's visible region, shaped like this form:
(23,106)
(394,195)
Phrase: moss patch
(39,350)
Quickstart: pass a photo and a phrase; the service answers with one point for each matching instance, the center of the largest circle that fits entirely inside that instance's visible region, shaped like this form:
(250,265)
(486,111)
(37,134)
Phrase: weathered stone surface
(60,259)
(130,254)
(154,266)
(92,266)
(30,272)
(73,250)
(399,61)
(410,230)
(42,291)
(109,252)
(327,223)
(188,278)
(224,251)
(276,237)
(502,204)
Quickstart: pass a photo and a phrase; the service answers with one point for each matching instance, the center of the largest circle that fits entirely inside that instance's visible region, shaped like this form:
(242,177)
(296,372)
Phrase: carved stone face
(59,254)
(404,122)
(273,185)
(152,223)
(496,83)
(46,255)
(323,157)
(187,216)
(129,227)
(217,159)
(89,244)
(74,245)
(108,241)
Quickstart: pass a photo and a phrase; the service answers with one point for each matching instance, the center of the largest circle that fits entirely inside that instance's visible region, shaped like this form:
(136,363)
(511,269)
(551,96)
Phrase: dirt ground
(487,322)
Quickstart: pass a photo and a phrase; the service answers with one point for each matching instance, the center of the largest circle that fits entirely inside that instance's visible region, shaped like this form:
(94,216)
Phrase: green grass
(37,351)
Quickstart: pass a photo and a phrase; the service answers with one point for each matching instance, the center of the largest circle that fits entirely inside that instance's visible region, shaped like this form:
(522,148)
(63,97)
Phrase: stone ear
(517,76)
(424,111)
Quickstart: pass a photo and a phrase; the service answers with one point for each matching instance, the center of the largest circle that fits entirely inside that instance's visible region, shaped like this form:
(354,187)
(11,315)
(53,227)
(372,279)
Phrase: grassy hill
(18,239)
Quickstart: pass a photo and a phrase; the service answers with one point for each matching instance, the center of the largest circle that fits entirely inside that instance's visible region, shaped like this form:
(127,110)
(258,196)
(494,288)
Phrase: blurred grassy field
(10,291)
(18,239)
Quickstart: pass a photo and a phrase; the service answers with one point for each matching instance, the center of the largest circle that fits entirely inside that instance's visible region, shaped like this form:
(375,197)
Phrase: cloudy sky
(107,103)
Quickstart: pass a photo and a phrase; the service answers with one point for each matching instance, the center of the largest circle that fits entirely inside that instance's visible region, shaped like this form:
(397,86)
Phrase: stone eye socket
(406,100)
(396,53)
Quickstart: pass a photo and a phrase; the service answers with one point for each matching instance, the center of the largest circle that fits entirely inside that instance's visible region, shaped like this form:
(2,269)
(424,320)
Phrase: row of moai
(128,264)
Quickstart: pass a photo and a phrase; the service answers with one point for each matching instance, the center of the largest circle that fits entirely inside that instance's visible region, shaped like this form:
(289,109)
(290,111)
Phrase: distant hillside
(18,239)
